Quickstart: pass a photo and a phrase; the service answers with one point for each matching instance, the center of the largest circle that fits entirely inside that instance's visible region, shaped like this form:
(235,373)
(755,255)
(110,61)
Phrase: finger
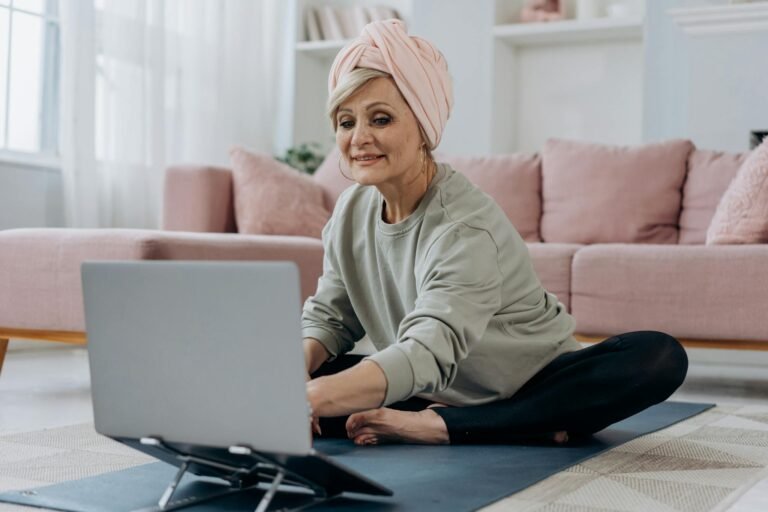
(316,426)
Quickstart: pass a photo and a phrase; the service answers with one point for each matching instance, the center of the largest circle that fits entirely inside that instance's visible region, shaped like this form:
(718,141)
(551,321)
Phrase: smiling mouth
(367,160)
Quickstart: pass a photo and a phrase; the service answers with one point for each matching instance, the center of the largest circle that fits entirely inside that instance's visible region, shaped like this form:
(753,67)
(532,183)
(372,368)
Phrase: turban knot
(417,67)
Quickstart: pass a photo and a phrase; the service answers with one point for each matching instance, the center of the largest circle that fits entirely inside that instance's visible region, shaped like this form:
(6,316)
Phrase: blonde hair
(349,84)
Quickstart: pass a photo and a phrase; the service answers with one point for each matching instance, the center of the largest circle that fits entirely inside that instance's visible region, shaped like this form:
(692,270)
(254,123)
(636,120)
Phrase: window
(29,77)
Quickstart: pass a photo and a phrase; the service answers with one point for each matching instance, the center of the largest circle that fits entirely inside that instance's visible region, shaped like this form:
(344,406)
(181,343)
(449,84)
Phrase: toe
(366,439)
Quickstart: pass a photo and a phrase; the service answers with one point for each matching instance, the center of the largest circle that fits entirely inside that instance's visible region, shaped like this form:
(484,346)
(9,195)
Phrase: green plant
(305,157)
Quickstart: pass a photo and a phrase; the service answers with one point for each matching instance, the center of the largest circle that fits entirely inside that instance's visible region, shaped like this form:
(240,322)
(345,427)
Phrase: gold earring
(342,172)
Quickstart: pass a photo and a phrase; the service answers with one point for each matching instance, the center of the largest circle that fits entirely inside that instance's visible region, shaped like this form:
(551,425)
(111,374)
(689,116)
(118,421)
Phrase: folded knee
(664,360)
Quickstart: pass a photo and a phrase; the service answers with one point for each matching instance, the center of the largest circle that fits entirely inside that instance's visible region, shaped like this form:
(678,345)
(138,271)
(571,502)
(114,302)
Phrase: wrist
(315,354)
(316,397)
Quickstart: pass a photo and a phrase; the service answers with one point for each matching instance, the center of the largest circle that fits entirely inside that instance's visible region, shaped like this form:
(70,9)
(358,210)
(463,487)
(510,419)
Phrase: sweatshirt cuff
(398,372)
(326,339)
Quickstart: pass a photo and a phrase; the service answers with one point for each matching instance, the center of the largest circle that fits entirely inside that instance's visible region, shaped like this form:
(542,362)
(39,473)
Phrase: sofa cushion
(552,263)
(692,291)
(709,173)
(513,181)
(594,193)
(272,198)
(330,178)
(40,268)
(742,215)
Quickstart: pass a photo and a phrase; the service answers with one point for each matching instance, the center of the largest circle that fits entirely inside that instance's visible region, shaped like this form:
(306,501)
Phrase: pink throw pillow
(709,173)
(742,215)
(272,198)
(513,181)
(329,177)
(595,193)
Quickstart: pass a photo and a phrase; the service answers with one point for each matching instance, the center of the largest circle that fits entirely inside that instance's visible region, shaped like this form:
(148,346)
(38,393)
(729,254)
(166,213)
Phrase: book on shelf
(353,20)
(312,25)
(329,23)
(380,13)
(338,23)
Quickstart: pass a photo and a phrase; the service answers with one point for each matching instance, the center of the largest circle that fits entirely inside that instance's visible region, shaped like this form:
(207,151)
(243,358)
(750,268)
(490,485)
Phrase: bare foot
(389,425)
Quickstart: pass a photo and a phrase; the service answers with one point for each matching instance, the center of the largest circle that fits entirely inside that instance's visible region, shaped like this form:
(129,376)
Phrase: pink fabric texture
(709,173)
(330,178)
(688,291)
(552,263)
(417,67)
(513,181)
(742,215)
(40,272)
(272,198)
(40,267)
(198,198)
(595,193)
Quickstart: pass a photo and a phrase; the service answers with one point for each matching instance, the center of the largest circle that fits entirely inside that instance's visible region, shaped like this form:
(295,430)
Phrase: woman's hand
(360,388)
(313,418)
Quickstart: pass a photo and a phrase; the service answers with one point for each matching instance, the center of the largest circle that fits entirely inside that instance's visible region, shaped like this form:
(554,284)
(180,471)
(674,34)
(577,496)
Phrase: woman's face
(378,135)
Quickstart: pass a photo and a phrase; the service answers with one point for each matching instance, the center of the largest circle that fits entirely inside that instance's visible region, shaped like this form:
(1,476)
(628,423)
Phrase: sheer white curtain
(149,83)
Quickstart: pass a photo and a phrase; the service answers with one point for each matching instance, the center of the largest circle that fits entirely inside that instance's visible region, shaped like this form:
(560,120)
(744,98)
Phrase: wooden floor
(47,385)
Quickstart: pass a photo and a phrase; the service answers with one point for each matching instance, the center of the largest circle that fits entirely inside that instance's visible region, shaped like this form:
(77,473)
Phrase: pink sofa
(712,296)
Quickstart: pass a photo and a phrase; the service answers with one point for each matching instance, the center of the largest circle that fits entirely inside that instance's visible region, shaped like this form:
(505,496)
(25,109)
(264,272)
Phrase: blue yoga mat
(423,478)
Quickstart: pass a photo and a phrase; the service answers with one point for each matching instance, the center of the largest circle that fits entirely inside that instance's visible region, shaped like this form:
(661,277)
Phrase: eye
(381,121)
(346,124)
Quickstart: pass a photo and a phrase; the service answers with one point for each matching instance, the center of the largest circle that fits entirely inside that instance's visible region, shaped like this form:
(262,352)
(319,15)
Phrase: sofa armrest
(198,198)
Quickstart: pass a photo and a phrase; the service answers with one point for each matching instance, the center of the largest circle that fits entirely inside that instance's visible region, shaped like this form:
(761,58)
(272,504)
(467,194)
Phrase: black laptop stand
(310,479)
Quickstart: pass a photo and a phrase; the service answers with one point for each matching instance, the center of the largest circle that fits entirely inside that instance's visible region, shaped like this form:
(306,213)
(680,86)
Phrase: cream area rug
(702,464)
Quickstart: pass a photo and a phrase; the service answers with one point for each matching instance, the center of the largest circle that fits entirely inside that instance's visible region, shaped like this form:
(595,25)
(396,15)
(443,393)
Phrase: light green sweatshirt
(448,296)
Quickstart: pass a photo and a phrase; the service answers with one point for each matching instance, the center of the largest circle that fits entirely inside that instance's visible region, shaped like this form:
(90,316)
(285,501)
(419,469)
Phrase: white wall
(586,91)
(30,197)
(463,35)
(708,88)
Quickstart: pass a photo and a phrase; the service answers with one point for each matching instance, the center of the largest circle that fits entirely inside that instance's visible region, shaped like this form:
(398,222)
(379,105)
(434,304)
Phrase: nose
(361,134)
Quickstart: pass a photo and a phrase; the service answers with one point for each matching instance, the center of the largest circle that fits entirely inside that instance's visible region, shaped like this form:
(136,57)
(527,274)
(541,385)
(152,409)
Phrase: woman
(470,347)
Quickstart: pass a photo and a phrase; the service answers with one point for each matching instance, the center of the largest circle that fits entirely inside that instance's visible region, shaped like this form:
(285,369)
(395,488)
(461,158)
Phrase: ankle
(436,426)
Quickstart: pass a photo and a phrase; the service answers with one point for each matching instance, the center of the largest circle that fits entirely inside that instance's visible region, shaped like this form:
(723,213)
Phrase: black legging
(580,392)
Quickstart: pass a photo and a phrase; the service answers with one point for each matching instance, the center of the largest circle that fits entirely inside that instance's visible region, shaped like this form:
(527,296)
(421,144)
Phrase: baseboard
(17,345)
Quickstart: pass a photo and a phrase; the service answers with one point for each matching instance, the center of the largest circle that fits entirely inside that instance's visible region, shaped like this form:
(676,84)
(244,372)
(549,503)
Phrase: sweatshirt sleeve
(328,315)
(459,291)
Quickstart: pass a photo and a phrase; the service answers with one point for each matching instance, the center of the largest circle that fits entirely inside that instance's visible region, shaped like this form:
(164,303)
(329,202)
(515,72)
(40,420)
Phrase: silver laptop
(202,361)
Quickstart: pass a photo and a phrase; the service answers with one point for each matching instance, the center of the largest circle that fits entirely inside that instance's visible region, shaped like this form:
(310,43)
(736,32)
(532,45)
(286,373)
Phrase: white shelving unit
(320,49)
(595,93)
(722,19)
(506,98)
(569,31)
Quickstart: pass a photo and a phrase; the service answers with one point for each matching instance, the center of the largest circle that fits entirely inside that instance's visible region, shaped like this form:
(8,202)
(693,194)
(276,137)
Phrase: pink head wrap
(418,69)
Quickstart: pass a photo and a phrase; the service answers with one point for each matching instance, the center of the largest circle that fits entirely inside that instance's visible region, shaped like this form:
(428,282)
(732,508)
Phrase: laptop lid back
(206,353)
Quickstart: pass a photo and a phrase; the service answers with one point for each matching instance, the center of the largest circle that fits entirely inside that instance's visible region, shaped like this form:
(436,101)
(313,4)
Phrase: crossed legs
(579,392)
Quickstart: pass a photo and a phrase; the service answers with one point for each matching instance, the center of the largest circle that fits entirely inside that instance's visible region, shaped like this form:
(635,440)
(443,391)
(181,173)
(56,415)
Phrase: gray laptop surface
(199,352)
(204,356)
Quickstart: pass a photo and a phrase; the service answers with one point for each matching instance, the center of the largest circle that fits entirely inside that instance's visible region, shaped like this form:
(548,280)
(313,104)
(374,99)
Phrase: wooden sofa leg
(3,350)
